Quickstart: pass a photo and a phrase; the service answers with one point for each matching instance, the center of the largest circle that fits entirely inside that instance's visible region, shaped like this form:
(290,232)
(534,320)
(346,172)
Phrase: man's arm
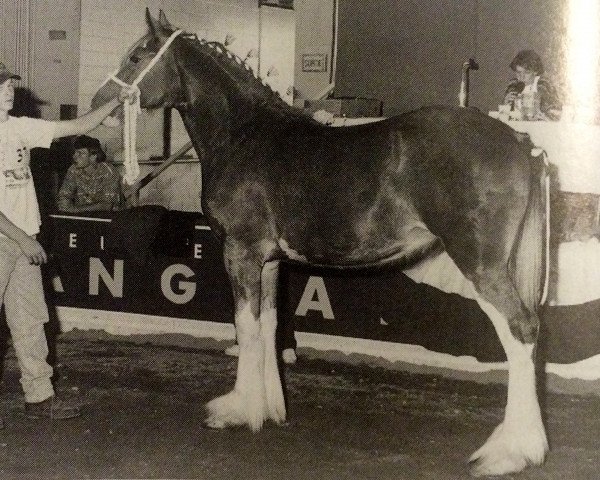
(29,245)
(91,120)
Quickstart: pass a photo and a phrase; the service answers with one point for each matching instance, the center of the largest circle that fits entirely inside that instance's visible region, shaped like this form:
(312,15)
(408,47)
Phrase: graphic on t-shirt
(17,177)
(21,152)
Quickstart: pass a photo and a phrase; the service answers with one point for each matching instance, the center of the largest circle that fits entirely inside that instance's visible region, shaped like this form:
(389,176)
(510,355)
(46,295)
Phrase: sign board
(314,62)
(179,273)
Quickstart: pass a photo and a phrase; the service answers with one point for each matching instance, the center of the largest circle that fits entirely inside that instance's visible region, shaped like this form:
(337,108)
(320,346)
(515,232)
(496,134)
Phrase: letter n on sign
(314,62)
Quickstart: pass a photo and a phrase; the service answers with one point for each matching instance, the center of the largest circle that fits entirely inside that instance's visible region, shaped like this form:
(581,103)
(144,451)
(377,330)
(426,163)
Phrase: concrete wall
(40,41)
(314,35)
(55,58)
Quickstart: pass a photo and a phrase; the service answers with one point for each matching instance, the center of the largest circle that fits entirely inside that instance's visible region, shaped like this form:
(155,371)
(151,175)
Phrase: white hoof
(506,452)
(232,410)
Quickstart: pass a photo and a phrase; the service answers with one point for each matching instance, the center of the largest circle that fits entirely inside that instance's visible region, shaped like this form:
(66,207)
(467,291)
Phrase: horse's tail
(529,262)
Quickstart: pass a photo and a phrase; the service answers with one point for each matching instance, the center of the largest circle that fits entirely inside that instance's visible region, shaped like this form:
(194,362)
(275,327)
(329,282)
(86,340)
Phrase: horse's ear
(164,23)
(152,24)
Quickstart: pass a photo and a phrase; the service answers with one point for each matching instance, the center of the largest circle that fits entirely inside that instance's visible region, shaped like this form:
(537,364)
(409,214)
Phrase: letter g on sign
(187,290)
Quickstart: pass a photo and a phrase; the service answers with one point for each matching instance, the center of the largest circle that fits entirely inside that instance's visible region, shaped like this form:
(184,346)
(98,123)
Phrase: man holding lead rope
(21,254)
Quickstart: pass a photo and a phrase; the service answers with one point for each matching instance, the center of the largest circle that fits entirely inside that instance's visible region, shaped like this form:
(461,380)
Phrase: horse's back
(362,194)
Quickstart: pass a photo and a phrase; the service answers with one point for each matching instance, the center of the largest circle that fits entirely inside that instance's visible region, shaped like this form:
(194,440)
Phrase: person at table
(529,79)
(91,184)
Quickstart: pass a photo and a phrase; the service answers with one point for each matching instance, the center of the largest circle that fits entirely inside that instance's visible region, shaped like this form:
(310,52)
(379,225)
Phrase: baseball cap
(5,74)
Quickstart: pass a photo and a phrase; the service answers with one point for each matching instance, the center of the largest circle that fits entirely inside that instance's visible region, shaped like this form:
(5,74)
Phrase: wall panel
(410,53)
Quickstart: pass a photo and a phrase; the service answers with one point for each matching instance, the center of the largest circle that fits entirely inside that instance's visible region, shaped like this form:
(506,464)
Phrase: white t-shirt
(17,193)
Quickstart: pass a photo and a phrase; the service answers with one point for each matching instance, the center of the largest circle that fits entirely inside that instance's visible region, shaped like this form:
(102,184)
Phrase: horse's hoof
(233,410)
(495,464)
(504,453)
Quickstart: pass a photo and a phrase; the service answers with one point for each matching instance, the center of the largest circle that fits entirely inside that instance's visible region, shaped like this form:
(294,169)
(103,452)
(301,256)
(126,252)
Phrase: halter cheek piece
(131,111)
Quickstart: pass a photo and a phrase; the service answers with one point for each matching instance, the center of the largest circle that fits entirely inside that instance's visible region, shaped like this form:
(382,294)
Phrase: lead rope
(547,182)
(131,112)
(536,152)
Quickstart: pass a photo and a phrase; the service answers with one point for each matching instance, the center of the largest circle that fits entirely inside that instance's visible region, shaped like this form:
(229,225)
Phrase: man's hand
(32,249)
(128,94)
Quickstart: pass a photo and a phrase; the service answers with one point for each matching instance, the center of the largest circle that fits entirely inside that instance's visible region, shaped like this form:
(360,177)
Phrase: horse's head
(160,86)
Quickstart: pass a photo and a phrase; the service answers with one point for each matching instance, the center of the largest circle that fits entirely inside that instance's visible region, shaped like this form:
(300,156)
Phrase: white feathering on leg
(520,440)
(273,389)
(246,403)
(275,402)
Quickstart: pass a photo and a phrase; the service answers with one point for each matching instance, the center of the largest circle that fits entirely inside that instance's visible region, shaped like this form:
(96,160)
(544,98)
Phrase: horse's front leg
(275,401)
(245,404)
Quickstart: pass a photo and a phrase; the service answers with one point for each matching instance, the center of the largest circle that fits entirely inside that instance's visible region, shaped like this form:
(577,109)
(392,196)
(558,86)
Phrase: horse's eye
(134,58)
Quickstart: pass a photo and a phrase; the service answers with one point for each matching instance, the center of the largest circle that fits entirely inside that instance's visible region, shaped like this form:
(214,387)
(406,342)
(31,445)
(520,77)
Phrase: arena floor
(143,419)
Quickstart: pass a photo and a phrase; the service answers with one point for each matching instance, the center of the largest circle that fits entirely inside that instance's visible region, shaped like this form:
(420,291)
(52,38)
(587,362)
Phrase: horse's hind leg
(520,440)
(245,404)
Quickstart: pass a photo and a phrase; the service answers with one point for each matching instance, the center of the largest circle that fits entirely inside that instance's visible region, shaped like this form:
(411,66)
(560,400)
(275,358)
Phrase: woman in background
(529,69)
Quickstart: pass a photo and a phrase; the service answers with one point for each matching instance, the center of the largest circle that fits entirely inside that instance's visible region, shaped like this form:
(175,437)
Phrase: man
(20,253)
(90,184)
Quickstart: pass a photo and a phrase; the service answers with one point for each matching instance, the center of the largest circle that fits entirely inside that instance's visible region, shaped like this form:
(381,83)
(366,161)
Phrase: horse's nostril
(134,59)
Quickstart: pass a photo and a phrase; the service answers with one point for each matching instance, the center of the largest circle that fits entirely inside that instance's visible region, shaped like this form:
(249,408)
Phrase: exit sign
(314,62)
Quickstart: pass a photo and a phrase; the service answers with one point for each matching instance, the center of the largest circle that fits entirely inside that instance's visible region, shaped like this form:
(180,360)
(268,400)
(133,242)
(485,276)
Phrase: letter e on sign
(315,297)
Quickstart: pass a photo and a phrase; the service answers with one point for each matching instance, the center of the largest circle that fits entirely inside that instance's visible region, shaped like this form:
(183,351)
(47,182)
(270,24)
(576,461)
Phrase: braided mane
(252,87)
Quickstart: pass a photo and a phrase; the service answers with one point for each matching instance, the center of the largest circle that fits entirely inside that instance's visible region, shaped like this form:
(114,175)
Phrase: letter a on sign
(315,298)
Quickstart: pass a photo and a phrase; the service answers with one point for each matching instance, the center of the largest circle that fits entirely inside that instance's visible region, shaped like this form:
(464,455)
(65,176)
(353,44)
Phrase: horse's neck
(208,130)
(233,97)
(221,104)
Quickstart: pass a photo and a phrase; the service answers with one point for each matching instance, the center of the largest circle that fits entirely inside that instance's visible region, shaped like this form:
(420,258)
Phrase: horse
(435,189)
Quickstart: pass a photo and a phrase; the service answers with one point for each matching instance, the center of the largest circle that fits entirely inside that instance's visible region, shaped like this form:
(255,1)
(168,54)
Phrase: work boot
(53,408)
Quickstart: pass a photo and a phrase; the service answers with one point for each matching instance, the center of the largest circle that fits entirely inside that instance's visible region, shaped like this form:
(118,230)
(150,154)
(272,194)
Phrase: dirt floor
(143,405)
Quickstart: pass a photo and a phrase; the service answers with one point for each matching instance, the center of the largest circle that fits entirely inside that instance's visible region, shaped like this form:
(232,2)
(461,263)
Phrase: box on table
(344,107)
